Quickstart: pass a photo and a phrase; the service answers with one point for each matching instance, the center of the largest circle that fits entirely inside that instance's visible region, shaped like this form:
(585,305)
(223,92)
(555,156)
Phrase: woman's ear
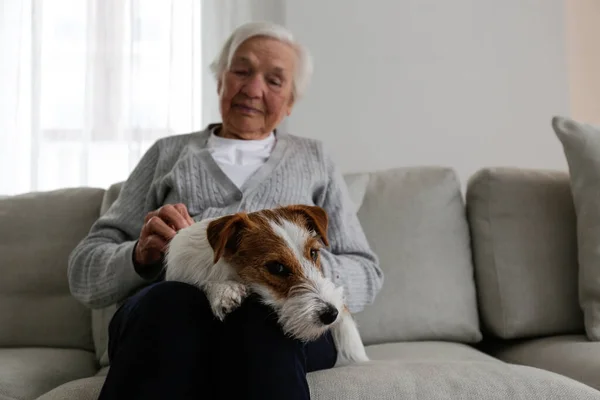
(290,105)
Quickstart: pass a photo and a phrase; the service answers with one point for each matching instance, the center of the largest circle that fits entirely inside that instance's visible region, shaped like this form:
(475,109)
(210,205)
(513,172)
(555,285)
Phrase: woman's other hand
(159,228)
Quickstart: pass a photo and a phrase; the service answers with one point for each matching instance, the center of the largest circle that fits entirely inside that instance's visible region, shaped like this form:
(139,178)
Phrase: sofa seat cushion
(571,355)
(427,351)
(407,380)
(26,373)
(444,380)
(79,389)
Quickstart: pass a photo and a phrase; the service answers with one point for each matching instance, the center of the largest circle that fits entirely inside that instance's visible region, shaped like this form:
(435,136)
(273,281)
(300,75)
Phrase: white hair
(304,66)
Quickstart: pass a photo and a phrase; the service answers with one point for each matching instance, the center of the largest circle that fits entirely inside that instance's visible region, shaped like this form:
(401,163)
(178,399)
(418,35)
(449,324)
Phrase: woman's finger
(150,215)
(172,217)
(157,226)
(184,211)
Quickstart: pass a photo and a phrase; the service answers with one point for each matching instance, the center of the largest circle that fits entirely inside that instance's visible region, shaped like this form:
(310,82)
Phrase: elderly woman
(164,342)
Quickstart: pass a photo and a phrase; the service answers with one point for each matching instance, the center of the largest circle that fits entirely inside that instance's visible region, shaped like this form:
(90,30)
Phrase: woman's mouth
(247,109)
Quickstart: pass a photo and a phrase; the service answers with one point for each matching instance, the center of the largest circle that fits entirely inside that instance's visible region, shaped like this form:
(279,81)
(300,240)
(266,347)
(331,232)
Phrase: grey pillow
(414,219)
(581,144)
(525,252)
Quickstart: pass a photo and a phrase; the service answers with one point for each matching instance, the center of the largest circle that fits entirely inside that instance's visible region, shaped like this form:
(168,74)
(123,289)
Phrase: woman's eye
(278,269)
(241,72)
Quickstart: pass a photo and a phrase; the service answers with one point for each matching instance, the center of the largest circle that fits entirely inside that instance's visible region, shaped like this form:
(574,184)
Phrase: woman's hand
(159,228)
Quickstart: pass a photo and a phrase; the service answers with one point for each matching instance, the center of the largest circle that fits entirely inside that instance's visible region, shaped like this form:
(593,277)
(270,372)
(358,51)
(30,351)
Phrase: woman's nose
(253,87)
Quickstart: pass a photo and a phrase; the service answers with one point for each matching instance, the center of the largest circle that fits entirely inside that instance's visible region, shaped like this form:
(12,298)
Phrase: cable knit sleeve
(101,271)
(349,260)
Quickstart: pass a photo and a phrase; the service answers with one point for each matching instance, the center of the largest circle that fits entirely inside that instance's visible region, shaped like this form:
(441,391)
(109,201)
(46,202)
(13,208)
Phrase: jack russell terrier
(275,254)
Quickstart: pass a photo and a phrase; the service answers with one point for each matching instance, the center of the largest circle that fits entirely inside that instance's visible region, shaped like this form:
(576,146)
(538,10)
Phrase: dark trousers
(164,343)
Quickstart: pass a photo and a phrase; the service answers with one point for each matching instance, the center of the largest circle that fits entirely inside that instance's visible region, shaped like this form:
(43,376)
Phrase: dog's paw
(224,297)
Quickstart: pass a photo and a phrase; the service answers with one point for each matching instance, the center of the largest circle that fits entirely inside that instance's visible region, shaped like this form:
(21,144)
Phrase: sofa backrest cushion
(581,145)
(525,250)
(38,231)
(414,219)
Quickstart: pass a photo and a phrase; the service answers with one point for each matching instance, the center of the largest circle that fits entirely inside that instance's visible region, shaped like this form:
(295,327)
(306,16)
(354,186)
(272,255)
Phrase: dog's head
(276,252)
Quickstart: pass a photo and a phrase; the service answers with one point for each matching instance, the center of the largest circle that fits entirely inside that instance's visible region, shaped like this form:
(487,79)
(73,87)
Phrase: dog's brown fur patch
(311,217)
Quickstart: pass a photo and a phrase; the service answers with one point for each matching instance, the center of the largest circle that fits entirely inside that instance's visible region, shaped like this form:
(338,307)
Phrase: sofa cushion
(411,380)
(427,351)
(571,355)
(414,219)
(80,389)
(26,373)
(581,144)
(357,184)
(39,230)
(525,250)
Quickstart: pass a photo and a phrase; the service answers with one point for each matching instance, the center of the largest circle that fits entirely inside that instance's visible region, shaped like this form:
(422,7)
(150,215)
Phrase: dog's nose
(328,315)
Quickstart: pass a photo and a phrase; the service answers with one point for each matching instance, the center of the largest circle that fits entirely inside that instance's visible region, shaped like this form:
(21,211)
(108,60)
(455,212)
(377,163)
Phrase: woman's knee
(161,312)
(169,296)
(165,304)
(253,314)
(256,327)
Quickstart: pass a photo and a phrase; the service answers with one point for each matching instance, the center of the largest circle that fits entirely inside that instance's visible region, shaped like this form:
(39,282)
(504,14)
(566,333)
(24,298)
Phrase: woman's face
(256,91)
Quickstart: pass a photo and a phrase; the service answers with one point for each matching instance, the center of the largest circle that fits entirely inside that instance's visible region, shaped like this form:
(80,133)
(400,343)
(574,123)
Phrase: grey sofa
(480,299)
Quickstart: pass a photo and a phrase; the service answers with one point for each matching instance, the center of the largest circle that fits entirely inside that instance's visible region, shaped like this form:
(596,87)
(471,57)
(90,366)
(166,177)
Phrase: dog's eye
(277,268)
(314,254)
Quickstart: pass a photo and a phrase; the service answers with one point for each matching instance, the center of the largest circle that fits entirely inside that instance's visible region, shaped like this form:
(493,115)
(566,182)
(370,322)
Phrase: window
(97,82)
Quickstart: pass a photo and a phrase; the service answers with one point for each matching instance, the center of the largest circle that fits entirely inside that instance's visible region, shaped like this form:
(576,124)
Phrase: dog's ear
(224,234)
(316,219)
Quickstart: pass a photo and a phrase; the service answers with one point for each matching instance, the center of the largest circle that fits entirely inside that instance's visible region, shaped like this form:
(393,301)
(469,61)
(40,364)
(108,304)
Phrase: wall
(463,83)
(583,49)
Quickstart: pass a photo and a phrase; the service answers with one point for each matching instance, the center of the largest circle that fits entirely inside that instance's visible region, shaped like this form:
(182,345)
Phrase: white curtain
(86,86)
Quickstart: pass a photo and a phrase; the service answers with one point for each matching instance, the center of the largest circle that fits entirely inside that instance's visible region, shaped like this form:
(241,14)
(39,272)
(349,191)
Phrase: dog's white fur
(190,259)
